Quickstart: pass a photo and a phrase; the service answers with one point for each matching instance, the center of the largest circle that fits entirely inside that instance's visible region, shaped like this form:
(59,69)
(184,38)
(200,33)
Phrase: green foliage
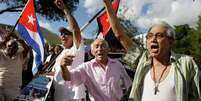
(188,40)
(182,43)
(88,41)
(50,37)
(196,42)
(46,8)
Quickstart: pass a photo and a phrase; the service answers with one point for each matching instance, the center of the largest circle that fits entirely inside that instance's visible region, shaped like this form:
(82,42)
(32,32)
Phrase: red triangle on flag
(28,17)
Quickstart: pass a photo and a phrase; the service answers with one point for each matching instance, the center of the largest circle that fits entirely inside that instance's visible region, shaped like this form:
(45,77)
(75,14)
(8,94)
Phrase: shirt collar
(173,56)
(109,61)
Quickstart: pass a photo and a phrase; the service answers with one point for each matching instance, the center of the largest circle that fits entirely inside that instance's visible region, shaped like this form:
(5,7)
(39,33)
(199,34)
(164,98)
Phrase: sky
(140,12)
(143,12)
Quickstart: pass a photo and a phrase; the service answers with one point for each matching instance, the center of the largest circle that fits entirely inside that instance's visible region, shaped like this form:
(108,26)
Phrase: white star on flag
(31,19)
(107,20)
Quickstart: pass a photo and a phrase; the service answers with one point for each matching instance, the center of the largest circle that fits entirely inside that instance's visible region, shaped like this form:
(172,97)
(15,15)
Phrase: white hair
(170,30)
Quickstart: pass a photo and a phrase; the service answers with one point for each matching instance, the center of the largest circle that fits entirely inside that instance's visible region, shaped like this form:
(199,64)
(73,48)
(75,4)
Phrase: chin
(154,54)
(99,58)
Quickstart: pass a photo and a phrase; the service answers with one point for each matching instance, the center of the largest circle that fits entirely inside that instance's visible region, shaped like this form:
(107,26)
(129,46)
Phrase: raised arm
(116,26)
(71,20)
(25,46)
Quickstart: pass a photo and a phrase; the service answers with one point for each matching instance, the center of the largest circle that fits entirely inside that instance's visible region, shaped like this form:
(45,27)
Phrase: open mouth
(100,54)
(154,47)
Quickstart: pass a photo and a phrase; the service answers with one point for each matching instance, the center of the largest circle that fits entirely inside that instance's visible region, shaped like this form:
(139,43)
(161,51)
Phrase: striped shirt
(186,74)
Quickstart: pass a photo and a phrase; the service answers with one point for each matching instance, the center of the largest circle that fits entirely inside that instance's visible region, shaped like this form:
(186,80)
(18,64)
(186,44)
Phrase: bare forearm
(116,26)
(65,74)
(71,20)
(74,26)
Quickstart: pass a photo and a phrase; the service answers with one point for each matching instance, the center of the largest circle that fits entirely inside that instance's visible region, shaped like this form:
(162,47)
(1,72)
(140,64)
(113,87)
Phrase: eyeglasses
(62,33)
(157,35)
(65,34)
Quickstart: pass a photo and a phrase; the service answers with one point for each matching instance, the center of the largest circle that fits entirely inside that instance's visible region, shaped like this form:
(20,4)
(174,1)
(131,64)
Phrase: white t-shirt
(62,91)
(166,88)
(48,58)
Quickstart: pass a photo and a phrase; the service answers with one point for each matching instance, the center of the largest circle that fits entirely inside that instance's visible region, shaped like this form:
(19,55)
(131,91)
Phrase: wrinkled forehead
(99,42)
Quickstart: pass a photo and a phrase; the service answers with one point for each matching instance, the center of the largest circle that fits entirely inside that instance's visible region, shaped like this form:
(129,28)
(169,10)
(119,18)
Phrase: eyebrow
(156,33)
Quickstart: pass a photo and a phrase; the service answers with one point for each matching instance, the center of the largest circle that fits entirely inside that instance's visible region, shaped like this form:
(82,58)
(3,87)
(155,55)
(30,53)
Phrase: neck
(163,61)
(67,46)
(102,62)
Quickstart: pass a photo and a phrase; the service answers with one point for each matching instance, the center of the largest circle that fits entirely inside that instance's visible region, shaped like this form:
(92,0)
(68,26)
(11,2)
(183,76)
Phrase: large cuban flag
(29,29)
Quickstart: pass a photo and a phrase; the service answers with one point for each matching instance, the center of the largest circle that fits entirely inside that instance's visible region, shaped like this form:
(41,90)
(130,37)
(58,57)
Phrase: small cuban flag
(29,29)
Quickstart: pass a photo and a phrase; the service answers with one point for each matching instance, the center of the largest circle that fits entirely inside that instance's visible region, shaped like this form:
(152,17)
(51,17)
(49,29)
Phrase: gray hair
(170,30)
(99,39)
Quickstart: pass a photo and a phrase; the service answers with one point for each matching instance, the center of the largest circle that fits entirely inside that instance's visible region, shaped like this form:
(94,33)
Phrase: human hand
(60,4)
(107,0)
(67,60)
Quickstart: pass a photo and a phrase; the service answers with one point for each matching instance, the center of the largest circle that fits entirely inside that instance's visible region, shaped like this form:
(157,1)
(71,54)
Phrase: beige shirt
(10,75)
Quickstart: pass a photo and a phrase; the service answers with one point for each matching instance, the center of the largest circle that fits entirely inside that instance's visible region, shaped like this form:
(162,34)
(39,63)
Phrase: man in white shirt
(73,45)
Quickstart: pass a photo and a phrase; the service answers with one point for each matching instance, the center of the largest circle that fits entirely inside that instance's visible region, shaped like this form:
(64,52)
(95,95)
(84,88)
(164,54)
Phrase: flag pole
(13,29)
(95,16)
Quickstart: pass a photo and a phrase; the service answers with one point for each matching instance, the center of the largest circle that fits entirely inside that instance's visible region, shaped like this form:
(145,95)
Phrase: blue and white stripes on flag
(29,29)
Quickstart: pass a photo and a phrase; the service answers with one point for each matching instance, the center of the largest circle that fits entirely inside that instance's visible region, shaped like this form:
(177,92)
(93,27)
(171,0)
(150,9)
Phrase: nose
(99,48)
(154,38)
(62,35)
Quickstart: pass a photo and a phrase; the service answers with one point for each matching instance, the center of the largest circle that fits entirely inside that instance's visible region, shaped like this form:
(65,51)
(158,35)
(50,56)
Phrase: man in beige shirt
(12,56)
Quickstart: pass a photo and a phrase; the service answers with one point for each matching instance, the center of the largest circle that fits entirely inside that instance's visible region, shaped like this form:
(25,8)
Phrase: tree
(46,8)
(188,40)
(195,39)
(182,44)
